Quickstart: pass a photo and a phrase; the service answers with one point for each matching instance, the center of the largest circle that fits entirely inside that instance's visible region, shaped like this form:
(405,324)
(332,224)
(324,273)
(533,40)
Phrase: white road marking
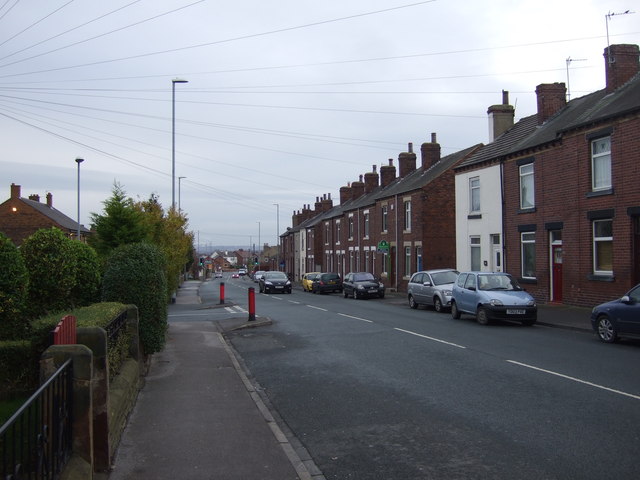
(356,318)
(318,308)
(235,309)
(595,385)
(430,338)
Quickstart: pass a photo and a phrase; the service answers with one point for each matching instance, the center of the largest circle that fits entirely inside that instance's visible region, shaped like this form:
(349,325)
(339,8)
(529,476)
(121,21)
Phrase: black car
(362,285)
(327,282)
(274,282)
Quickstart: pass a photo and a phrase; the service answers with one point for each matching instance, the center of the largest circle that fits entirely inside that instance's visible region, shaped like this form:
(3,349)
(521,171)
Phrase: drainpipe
(502,239)
(396,264)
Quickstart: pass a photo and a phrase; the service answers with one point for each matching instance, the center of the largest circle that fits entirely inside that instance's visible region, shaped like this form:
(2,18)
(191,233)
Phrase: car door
(417,288)
(466,302)
(428,290)
(629,313)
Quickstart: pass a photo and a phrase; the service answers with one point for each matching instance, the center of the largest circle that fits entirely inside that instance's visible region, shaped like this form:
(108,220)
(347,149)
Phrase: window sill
(530,281)
(527,210)
(477,216)
(600,277)
(600,193)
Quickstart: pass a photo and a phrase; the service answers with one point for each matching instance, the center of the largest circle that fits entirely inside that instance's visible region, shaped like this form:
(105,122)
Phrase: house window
(366,225)
(407,261)
(601,163)
(418,258)
(474,243)
(527,194)
(603,247)
(474,194)
(326,233)
(350,227)
(528,254)
(407,215)
(384,218)
(338,232)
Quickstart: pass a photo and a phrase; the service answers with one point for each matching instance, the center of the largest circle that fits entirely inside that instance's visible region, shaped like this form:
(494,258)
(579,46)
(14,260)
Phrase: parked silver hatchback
(432,287)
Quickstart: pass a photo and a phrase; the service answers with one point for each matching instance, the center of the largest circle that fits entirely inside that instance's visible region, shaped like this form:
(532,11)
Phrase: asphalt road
(380,391)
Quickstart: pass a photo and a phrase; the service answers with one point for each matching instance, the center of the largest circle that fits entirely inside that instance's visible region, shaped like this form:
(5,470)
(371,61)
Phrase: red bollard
(252,304)
(221,293)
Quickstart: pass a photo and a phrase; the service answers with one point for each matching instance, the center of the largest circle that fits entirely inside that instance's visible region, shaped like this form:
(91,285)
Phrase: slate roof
(594,108)
(56,215)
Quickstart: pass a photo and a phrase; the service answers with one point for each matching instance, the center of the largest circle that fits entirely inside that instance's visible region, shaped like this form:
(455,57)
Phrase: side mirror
(626,299)
(427,283)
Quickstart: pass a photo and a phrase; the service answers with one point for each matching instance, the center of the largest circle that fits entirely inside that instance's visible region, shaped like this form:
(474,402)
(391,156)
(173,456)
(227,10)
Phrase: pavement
(198,415)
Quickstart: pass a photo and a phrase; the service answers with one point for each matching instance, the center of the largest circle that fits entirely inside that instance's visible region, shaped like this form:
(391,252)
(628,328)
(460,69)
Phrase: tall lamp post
(278,232)
(173,139)
(259,244)
(179,181)
(79,161)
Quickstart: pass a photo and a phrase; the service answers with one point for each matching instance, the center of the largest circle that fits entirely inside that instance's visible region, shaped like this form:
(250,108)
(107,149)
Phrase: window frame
(596,240)
(475,246)
(407,261)
(527,177)
(384,220)
(474,193)
(527,241)
(407,215)
(596,184)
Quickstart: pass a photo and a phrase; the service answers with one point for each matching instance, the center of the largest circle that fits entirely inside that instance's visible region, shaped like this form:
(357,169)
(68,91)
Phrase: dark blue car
(618,318)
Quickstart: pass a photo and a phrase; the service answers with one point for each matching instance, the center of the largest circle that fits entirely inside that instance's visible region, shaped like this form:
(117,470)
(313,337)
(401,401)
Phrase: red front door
(556,260)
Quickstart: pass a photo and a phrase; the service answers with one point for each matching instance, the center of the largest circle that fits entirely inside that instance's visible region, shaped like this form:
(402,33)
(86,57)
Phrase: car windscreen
(442,278)
(274,276)
(362,277)
(497,282)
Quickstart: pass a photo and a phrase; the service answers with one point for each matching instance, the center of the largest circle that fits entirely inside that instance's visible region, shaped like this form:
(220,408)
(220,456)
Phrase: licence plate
(515,311)
(373,289)
(279,286)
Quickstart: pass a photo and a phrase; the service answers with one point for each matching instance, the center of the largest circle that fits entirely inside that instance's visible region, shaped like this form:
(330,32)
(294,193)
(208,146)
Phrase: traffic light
(201,261)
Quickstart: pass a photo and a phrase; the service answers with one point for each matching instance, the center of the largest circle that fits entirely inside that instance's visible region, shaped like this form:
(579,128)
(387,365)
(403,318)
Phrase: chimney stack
(327,203)
(35,197)
(552,97)
(387,173)
(430,153)
(501,117)
(407,162)
(357,188)
(621,64)
(371,180)
(49,199)
(15,191)
(345,194)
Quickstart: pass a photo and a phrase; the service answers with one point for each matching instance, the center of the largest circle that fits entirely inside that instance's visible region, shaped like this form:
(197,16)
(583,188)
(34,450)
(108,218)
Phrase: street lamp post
(173,139)
(179,196)
(79,161)
(259,246)
(278,232)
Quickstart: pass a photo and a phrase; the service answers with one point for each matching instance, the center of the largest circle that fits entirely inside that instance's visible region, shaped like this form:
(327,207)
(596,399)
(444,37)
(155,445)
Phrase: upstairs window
(407,215)
(384,218)
(474,194)
(527,194)
(366,225)
(601,164)
(350,227)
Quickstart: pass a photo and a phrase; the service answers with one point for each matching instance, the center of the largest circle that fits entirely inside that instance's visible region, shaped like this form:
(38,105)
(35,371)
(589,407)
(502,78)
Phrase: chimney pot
(49,199)
(410,147)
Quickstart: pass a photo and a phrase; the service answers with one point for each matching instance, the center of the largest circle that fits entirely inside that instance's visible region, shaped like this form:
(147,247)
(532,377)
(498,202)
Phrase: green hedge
(20,368)
(13,292)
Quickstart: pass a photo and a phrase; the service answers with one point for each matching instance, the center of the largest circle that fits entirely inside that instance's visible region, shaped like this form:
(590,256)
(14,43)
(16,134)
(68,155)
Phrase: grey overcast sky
(287,100)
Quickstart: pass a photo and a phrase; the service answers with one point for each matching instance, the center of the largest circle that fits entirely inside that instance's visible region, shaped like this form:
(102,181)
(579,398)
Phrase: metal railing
(115,328)
(36,442)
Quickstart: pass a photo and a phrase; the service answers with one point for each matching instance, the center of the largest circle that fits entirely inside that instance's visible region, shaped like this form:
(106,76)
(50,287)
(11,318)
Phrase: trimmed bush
(13,292)
(52,271)
(135,274)
(87,274)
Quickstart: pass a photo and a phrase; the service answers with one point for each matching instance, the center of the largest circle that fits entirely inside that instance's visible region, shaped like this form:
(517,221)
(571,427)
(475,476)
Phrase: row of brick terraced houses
(553,199)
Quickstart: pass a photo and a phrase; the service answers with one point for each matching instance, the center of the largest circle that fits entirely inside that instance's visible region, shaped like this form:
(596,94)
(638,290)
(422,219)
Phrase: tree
(13,291)
(52,270)
(135,274)
(168,232)
(121,224)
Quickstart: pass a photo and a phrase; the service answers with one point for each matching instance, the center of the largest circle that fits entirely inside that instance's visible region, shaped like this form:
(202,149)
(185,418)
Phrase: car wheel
(437,304)
(412,302)
(481,316)
(381,295)
(607,332)
(455,313)
(346,295)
